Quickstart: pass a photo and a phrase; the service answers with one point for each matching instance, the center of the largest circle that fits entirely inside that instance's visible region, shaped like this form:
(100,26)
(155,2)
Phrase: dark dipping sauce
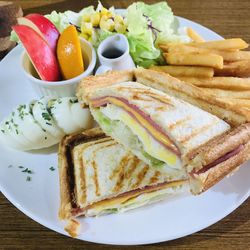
(112,54)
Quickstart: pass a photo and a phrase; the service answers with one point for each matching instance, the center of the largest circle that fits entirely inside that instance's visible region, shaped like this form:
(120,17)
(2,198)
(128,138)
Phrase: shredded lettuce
(153,161)
(118,128)
(139,201)
(63,20)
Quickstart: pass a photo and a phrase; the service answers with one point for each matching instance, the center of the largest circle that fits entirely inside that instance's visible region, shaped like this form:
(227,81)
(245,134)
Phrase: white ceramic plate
(39,198)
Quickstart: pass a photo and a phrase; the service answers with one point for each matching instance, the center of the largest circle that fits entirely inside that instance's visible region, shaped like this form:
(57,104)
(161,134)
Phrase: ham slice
(143,119)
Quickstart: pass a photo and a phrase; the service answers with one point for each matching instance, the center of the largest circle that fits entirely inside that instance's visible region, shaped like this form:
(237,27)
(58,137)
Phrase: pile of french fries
(219,67)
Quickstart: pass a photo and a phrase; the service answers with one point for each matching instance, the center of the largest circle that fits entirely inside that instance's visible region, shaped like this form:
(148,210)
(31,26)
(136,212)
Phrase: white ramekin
(60,88)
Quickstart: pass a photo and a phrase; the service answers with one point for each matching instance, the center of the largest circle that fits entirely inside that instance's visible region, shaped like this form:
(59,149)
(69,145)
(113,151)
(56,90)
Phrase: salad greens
(144,25)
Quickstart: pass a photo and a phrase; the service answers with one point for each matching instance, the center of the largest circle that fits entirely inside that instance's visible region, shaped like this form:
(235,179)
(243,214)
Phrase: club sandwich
(165,130)
(99,176)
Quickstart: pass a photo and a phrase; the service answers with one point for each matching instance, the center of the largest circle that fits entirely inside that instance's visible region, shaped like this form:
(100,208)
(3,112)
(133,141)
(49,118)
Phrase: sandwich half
(165,132)
(99,176)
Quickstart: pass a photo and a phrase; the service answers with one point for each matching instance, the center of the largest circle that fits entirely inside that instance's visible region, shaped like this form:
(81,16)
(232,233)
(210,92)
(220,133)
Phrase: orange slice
(69,53)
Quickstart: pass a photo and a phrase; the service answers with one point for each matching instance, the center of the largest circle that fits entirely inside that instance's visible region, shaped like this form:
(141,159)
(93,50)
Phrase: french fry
(194,59)
(228,56)
(188,71)
(227,44)
(236,102)
(221,93)
(232,56)
(236,69)
(227,83)
(194,35)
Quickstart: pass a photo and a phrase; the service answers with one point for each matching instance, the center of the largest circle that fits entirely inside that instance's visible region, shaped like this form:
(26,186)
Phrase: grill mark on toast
(141,176)
(162,99)
(179,122)
(94,166)
(121,175)
(126,174)
(83,197)
(154,178)
(196,132)
(95,178)
(120,166)
(132,167)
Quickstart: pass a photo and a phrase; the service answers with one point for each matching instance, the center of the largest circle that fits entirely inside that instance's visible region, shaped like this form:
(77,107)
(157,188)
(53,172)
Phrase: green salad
(144,25)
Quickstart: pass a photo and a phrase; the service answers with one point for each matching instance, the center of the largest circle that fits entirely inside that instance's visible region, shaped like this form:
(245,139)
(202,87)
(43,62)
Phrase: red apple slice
(43,26)
(39,52)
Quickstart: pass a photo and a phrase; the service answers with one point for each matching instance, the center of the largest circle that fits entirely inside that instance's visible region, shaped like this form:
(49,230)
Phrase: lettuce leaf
(149,25)
(118,128)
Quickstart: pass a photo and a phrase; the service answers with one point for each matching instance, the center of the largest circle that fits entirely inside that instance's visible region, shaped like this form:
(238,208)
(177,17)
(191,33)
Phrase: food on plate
(99,176)
(195,59)
(218,82)
(192,94)
(50,52)
(222,93)
(164,131)
(39,52)
(43,26)
(228,55)
(69,53)
(144,25)
(237,69)
(43,123)
(185,71)
(195,37)
(223,55)
(226,44)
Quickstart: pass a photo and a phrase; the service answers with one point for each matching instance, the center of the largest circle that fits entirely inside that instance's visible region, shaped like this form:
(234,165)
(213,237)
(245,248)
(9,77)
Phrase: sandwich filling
(159,129)
(221,159)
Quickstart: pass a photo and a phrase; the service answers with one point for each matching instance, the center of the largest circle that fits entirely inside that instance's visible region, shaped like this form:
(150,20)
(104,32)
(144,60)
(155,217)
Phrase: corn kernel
(87,28)
(118,19)
(107,24)
(120,28)
(95,18)
(85,36)
(104,11)
(86,18)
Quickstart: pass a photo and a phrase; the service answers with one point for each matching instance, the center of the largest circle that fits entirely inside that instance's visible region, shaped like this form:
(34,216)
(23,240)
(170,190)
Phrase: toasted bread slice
(98,176)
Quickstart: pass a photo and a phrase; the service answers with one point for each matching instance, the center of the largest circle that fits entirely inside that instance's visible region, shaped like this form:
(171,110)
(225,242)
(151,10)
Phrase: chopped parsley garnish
(2,131)
(21,111)
(48,123)
(28,178)
(26,170)
(72,101)
(52,168)
(46,116)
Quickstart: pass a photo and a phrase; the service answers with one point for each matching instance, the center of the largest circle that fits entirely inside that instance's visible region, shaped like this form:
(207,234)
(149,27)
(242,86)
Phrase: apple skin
(43,26)
(39,52)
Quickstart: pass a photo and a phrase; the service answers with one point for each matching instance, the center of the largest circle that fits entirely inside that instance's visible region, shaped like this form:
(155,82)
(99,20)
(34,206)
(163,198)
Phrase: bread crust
(202,182)
(91,83)
(65,209)
(194,95)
